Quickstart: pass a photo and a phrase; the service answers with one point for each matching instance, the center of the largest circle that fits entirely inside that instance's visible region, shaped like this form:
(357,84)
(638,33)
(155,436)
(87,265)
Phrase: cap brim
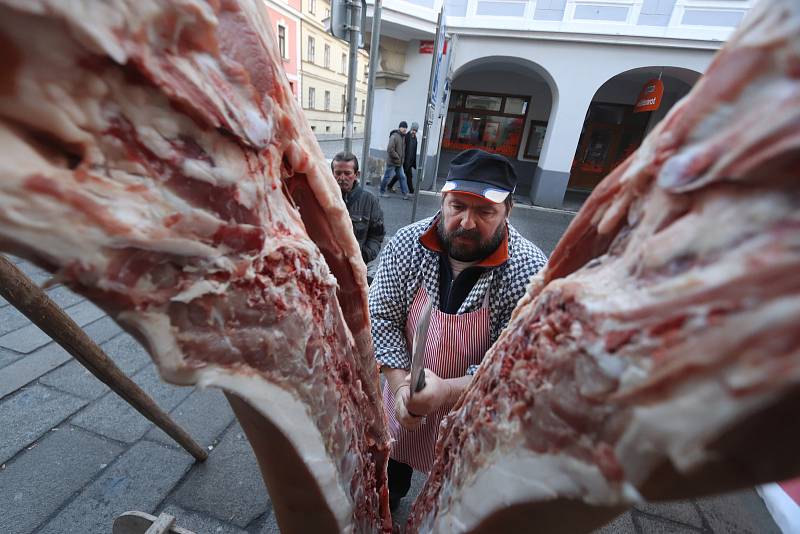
(492,194)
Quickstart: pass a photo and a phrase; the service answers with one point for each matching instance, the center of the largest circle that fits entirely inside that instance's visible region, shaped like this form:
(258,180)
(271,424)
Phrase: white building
(550,83)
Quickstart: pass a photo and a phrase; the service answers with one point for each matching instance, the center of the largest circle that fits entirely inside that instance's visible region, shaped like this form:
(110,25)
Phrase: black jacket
(367,217)
(410,158)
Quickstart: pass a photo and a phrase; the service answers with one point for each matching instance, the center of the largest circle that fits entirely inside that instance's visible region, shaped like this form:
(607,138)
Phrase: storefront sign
(650,97)
(426,47)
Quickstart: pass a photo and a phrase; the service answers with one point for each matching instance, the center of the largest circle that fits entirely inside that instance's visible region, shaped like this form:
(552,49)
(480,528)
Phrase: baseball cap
(481,173)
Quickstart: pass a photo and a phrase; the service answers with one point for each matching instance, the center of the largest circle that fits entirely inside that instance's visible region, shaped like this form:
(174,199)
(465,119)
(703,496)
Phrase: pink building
(285,18)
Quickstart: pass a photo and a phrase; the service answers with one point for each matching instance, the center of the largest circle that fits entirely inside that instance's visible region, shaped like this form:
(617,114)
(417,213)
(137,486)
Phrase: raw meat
(154,157)
(658,354)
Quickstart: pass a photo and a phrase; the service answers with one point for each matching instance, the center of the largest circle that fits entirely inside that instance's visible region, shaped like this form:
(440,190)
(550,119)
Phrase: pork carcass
(658,354)
(153,155)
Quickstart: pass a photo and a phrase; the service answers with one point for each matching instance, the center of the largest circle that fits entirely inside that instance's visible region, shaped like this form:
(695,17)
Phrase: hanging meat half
(658,355)
(153,156)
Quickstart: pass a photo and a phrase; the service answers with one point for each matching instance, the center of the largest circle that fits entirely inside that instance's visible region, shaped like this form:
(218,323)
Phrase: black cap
(403,124)
(475,171)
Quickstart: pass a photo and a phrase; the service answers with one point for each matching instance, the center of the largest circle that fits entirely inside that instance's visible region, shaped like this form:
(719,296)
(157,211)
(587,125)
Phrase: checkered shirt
(406,265)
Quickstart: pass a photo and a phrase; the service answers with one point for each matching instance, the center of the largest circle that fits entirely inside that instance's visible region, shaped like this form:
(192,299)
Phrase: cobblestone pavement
(73,456)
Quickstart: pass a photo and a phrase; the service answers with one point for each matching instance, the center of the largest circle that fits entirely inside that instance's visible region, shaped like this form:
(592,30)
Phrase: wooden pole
(34,303)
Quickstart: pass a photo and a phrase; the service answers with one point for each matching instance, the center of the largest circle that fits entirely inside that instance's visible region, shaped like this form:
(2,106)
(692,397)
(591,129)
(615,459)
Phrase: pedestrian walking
(395,151)
(409,158)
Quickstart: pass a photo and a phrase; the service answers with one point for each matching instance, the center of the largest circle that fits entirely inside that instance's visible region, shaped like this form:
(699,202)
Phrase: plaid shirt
(406,265)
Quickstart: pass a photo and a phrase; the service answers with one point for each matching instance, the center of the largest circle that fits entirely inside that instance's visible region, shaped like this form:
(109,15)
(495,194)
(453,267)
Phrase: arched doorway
(614,126)
(502,105)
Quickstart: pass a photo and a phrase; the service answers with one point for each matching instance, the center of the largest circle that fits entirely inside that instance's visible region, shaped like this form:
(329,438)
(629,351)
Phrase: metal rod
(34,303)
(353,33)
(429,110)
(374,54)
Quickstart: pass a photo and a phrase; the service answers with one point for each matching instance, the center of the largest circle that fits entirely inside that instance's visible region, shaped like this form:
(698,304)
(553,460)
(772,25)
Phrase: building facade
(285,16)
(552,84)
(324,69)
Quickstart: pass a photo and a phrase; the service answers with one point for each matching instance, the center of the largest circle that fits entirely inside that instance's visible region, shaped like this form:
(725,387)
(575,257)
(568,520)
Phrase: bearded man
(472,266)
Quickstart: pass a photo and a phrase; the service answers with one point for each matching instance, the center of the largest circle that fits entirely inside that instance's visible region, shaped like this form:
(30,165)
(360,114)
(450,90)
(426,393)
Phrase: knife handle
(420,382)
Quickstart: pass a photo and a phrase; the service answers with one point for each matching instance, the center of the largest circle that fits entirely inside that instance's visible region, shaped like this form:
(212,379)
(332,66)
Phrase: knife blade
(418,349)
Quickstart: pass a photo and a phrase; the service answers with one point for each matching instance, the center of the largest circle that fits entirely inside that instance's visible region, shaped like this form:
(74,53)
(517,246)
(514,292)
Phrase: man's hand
(433,396)
(406,420)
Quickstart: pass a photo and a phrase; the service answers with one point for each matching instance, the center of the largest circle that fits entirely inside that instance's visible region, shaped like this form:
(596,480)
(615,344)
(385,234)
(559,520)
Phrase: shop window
(484,102)
(490,122)
(610,134)
(533,148)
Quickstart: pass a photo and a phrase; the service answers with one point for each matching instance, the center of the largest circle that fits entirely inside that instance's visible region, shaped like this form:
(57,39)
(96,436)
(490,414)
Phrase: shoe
(385,195)
(393,190)
(406,197)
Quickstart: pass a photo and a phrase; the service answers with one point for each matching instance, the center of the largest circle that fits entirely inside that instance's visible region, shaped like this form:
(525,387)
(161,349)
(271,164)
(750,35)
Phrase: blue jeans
(391,170)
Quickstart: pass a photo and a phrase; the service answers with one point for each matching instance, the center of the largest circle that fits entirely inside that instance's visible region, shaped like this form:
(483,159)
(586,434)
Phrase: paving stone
(7,357)
(655,524)
(269,526)
(686,512)
(200,523)
(138,480)
(114,418)
(11,319)
(38,482)
(205,414)
(29,338)
(31,367)
(620,525)
(74,378)
(742,512)
(50,357)
(400,515)
(228,485)
(29,413)
(64,297)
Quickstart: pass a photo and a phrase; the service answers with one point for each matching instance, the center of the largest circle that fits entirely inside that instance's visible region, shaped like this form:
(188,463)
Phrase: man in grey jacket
(365,211)
(395,151)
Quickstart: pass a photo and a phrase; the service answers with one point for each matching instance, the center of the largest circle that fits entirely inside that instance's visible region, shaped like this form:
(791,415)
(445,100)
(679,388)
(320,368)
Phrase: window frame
(312,97)
(282,45)
(311,49)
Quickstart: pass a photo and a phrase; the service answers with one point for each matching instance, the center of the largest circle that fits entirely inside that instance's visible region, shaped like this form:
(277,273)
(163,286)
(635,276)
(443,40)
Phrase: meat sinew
(658,355)
(154,157)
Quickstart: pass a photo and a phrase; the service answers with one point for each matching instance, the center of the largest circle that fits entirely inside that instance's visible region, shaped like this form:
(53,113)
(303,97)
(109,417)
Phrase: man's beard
(476,249)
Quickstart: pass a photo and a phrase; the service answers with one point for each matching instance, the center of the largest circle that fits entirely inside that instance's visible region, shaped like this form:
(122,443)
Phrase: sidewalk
(73,456)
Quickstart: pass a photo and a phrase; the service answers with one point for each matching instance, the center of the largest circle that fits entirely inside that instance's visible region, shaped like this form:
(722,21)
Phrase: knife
(418,356)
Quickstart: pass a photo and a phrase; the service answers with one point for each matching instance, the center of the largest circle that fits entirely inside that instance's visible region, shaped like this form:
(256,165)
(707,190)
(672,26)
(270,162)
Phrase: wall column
(563,132)
(391,74)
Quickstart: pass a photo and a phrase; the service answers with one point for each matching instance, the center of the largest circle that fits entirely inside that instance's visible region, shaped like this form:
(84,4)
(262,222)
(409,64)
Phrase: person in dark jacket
(395,151)
(365,211)
(409,159)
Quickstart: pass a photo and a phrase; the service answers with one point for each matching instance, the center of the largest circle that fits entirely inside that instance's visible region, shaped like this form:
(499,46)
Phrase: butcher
(472,267)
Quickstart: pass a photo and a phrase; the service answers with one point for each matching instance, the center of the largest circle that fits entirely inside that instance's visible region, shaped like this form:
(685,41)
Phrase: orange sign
(650,97)
(426,47)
